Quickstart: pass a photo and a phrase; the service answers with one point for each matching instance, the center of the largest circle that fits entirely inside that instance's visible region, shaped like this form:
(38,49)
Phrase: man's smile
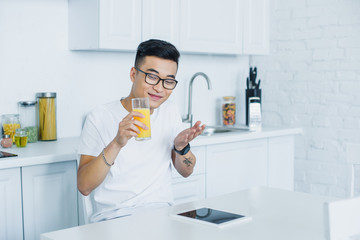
(154,97)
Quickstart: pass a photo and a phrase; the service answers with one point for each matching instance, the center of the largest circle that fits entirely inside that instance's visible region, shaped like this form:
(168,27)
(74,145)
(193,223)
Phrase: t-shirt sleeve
(90,140)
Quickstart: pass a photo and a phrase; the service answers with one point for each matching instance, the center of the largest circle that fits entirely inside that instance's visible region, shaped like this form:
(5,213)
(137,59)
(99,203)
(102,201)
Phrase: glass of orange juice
(142,106)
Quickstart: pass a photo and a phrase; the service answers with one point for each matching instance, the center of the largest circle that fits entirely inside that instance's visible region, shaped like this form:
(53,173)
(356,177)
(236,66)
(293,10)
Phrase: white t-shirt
(141,174)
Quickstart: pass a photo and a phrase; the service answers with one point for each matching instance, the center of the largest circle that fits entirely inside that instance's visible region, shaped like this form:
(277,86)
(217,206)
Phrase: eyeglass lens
(154,79)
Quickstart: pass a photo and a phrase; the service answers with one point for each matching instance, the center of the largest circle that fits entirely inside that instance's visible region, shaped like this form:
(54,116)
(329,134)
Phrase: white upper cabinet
(194,26)
(211,26)
(256,27)
(120,24)
(161,20)
(104,24)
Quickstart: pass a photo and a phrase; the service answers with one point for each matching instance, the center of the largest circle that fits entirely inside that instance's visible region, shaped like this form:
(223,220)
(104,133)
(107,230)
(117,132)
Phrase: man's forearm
(92,171)
(184,164)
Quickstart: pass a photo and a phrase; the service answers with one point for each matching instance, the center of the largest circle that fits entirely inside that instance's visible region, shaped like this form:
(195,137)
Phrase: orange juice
(144,134)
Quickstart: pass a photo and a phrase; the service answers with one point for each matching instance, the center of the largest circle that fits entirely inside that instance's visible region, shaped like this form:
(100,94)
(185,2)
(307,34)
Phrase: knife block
(248,94)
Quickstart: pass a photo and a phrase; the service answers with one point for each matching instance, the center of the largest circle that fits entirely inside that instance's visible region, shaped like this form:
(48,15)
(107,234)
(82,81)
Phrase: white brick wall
(311,79)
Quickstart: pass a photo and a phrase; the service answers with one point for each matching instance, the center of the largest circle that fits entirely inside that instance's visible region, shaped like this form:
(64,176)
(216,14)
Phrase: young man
(124,175)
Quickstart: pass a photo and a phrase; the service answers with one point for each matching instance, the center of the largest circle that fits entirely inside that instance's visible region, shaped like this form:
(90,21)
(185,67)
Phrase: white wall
(34,57)
(312,80)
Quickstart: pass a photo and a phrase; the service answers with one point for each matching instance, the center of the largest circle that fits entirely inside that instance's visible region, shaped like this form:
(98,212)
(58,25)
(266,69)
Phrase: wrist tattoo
(187,161)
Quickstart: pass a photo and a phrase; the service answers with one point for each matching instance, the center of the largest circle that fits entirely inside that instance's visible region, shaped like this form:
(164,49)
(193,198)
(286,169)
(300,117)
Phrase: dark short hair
(157,48)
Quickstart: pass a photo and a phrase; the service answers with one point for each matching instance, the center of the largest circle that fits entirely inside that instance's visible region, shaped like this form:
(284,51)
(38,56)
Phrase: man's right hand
(128,128)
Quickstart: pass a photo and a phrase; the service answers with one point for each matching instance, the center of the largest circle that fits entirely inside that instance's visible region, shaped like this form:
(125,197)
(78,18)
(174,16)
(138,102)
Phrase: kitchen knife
(255,73)
(251,74)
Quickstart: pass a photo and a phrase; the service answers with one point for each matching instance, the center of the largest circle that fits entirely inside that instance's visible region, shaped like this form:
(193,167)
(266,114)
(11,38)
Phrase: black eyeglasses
(153,79)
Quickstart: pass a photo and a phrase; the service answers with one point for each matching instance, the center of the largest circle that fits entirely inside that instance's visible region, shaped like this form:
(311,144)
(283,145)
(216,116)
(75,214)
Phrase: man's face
(157,94)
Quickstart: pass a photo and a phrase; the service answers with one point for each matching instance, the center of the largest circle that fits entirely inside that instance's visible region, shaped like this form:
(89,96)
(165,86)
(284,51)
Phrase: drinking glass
(141,105)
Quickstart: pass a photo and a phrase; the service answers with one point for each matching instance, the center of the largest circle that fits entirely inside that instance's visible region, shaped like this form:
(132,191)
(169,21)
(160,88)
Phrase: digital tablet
(6,154)
(212,217)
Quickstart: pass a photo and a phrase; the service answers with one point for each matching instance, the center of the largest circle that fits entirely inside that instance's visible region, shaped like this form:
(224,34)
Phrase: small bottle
(6,141)
(228,111)
(21,137)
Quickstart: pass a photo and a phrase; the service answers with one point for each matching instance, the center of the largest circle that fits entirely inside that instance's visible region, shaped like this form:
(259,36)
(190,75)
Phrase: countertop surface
(65,149)
(244,136)
(61,150)
(276,214)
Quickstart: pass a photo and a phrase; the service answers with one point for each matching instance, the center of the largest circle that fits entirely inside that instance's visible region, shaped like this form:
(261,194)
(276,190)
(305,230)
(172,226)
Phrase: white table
(276,215)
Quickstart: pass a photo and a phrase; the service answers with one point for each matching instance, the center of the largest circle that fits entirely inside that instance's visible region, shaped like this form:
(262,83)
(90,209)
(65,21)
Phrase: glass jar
(10,122)
(6,141)
(47,116)
(21,137)
(27,110)
(228,110)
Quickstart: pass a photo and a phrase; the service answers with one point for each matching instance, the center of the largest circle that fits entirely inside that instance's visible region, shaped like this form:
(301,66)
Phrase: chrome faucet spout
(189,117)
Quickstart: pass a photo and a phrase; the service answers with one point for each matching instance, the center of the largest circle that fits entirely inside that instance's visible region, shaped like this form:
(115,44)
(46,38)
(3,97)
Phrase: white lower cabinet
(11,223)
(49,198)
(228,167)
(37,199)
(236,166)
(281,162)
(191,188)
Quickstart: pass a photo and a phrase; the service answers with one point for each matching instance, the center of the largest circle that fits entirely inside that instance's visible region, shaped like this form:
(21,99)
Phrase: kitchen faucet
(189,117)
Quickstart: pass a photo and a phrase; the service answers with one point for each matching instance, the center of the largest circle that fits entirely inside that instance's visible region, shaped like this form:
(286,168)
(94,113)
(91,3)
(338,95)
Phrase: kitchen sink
(215,130)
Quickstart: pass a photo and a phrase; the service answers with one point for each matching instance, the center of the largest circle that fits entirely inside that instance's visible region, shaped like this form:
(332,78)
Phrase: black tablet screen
(6,154)
(211,215)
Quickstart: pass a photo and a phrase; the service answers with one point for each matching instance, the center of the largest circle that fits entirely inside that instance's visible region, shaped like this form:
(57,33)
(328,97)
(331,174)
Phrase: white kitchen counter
(244,136)
(64,149)
(61,150)
(276,214)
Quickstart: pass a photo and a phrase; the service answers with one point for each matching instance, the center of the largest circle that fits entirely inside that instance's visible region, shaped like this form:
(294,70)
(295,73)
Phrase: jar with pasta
(47,116)
(10,122)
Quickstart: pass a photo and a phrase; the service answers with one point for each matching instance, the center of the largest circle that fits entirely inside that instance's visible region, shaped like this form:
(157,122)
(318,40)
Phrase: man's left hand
(184,137)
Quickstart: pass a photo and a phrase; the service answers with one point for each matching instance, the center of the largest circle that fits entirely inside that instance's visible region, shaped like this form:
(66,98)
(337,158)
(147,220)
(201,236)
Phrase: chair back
(87,208)
(342,219)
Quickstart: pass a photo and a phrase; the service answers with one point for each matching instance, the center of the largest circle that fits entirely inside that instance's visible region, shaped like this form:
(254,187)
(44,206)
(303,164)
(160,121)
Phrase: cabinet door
(104,24)
(11,224)
(281,162)
(161,20)
(120,24)
(256,26)
(211,26)
(49,198)
(189,189)
(236,166)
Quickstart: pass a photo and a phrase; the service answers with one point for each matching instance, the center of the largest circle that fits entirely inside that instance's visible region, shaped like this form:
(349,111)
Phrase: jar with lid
(27,110)
(10,122)
(21,137)
(47,116)
(6,141)
(228,111)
